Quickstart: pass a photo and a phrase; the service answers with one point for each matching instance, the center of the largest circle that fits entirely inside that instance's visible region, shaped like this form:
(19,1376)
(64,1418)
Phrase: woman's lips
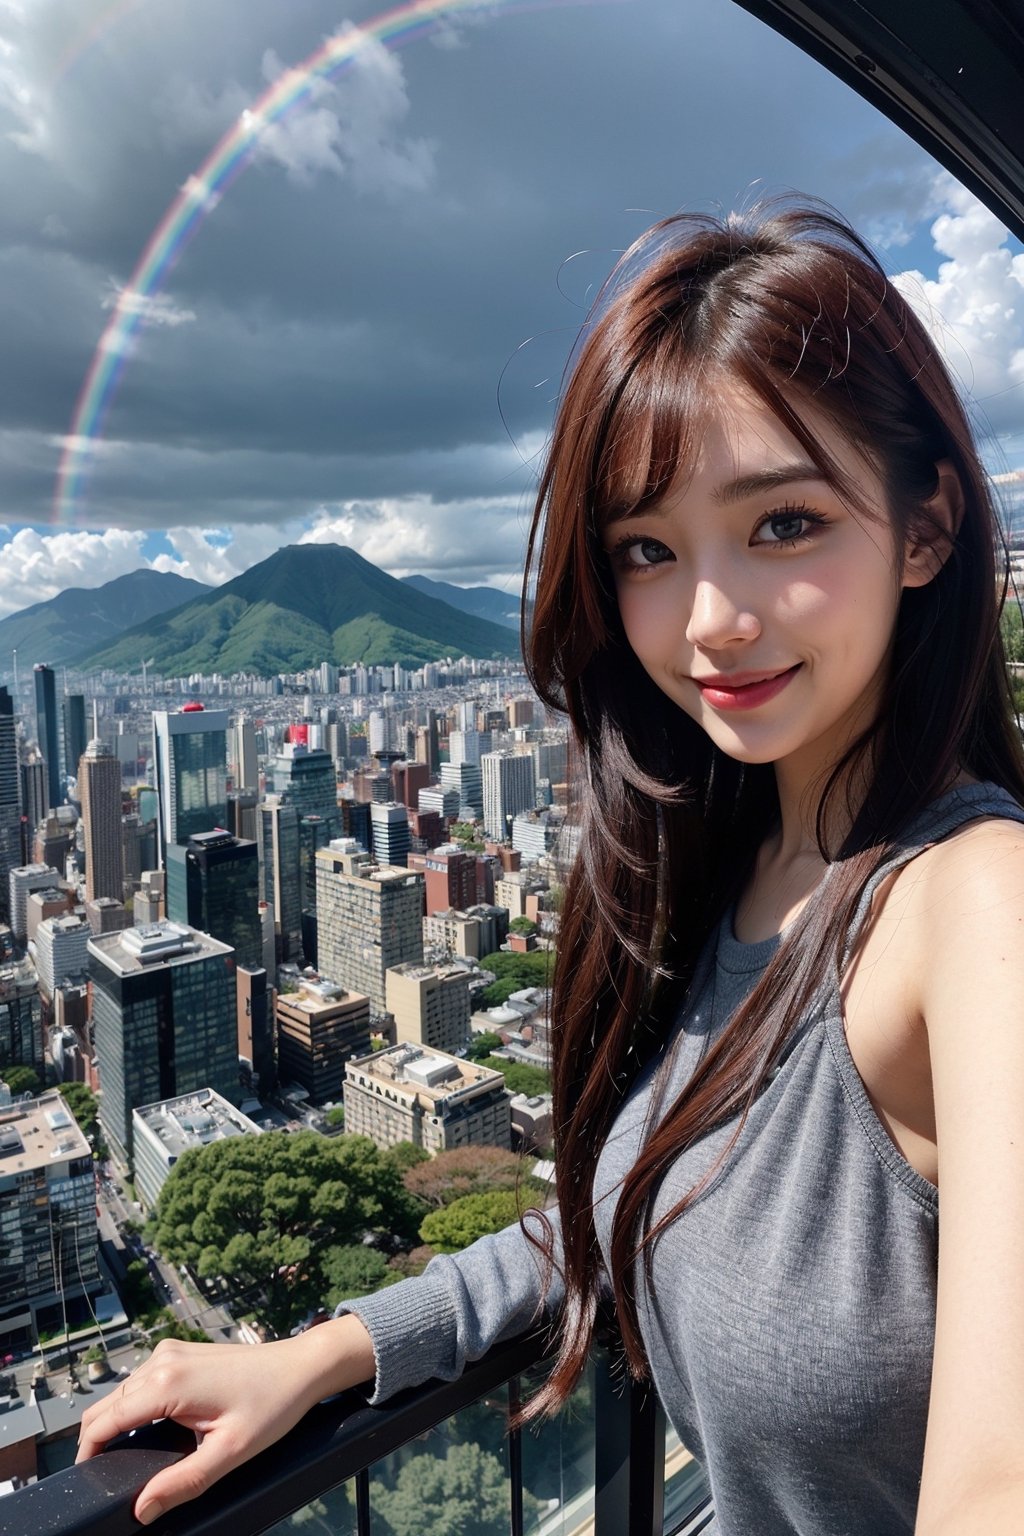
(739,694)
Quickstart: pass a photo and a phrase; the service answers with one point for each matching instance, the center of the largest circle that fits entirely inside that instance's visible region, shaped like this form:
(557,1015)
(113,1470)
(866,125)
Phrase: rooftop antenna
(15,655)
(95,720)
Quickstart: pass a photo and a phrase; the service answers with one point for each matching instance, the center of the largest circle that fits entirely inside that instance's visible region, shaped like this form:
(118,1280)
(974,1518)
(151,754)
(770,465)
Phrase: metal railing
(342,1439)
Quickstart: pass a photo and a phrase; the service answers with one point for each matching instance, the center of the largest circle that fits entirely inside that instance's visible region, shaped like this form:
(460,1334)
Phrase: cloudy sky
(362,339)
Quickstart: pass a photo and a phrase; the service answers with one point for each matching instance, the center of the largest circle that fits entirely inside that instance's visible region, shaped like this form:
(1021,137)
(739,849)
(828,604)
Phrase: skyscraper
(164,1020)
(307,780)
(389,829)
(47,732)
(369,917)
(508,786)
(213,884)
(279,861)
(75,739)
(190,758)
(244,761)
(10,807)
(99,786)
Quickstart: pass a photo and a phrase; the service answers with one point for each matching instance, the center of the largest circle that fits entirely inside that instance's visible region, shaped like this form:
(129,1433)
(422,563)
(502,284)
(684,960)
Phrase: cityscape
(260,936)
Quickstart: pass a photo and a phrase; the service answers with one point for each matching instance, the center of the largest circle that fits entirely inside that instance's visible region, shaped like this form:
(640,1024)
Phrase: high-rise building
(21,1018)
(508,785)
(255,1014)
(389,829)
(436,1101)
(22,880)
(369,918)
(243,820)
(279,866)
(48,1256)
(75,739)
(62,951)
(453,932)
(520,712)
(466,779)
(244,761)
(164,1020)
(213,884)
(162,1133)
(48,732)
(468,746)
(407,779)
(445,802)
(10,800)
(99,786)
(308,781)
(33,793)
(430,1004)
(320,1028)
(190,761)
(450,876)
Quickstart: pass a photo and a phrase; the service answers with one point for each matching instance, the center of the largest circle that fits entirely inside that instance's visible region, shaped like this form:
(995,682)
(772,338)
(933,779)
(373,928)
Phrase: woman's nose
(719,617)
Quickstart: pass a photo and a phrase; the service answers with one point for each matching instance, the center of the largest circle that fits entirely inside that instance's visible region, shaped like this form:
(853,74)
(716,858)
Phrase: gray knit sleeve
(433,1325)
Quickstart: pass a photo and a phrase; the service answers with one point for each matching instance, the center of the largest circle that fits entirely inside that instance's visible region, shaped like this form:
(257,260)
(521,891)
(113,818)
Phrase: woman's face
(756,598)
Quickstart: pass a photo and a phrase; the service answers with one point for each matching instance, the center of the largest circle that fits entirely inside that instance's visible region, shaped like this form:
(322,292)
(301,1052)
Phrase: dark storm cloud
(349,337)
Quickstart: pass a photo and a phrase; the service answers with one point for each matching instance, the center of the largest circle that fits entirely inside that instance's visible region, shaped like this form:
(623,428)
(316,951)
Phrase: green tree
(263,1211)
(1012,627)
(481,1045)
(519,1076)
(354,1270)
(84,1105)
(513,972)
(463,1493)
(335,1115)
(21,1080)
(461,1223)
(405,1155)
(170,1327)
(522,925)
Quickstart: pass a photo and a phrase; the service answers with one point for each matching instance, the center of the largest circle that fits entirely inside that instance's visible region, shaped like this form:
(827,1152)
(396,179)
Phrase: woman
(790,963)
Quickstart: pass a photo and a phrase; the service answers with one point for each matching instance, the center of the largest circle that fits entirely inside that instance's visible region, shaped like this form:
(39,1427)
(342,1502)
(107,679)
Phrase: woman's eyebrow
(765,480)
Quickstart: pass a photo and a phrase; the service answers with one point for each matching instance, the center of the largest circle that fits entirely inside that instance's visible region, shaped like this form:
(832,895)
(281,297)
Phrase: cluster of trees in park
(513,972)
(295,1222)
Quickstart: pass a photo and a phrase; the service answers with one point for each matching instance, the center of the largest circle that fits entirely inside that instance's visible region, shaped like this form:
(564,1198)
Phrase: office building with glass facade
(164,1020)
(213,884)
(190,759)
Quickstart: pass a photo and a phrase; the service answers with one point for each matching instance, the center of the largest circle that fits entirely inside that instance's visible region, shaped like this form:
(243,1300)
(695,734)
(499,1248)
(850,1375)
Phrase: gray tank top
(791,1322)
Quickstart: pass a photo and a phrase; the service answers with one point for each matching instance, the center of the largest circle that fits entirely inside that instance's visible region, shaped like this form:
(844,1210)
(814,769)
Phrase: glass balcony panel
(685,1483)
(558,1463)
(453,1478)
(332,1513)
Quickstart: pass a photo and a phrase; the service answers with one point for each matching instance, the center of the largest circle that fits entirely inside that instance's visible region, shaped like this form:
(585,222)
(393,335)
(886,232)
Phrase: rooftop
(426,1074)
(136,949)
(194,1119)
(34,1133)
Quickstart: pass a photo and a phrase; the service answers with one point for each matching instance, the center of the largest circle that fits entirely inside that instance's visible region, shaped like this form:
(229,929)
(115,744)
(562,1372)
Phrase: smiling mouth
(744,690)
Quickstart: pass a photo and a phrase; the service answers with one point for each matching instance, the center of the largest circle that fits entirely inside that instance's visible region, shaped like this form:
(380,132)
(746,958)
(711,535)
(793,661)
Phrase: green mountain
(306,604)
(79,619)
(485,602)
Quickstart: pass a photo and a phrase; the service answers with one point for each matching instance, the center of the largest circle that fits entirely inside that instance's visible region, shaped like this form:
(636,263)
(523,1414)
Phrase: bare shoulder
(969,885)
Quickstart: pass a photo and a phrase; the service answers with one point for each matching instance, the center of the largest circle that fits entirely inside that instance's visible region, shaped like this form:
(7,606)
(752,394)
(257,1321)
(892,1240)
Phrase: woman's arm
(238,1399)
(969,906)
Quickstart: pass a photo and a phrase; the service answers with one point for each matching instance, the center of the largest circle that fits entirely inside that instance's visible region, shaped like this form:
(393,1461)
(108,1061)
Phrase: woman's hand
(236,1398)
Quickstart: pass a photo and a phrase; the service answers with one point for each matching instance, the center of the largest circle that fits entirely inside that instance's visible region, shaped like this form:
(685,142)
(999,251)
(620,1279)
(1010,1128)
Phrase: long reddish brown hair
(790,303)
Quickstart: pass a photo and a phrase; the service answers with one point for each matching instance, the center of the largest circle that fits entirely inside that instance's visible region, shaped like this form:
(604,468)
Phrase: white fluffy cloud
(482,540)
(974,308)
(348,127)
(39,565)
(154,309)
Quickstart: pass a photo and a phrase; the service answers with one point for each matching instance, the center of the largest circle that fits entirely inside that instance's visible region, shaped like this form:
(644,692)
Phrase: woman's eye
(640,554)
(787,526)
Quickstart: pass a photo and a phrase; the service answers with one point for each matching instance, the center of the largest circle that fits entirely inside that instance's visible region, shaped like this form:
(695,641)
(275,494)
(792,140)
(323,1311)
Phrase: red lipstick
(743,690)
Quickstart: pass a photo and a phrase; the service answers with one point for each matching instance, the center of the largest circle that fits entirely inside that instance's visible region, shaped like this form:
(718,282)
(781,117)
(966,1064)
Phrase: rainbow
(91,35)
(201,194)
